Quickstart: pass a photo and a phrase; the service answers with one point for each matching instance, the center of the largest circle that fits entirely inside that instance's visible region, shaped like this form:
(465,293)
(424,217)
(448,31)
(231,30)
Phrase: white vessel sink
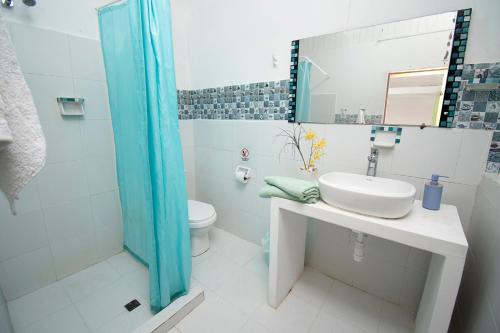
(367,195)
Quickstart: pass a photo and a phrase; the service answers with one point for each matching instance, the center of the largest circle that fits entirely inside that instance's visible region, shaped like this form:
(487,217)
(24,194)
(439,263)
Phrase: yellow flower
(317,155)
(321,144)
(310,135)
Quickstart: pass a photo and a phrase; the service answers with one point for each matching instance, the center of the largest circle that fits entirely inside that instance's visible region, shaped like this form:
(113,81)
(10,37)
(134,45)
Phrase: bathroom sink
(367,195)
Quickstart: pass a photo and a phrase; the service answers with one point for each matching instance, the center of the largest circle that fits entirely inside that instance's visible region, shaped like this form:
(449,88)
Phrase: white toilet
(201,218)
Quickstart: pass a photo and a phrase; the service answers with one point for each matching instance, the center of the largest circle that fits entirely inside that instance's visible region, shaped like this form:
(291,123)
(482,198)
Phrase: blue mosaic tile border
(397,130)
(456,66)
(481,109)
(294,74)
(255,101)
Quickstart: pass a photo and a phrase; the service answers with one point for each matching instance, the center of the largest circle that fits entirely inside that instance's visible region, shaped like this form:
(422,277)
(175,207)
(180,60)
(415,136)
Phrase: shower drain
(132,305)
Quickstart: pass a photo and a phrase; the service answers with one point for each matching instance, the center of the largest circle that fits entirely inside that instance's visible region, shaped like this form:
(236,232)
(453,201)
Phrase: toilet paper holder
(242,174)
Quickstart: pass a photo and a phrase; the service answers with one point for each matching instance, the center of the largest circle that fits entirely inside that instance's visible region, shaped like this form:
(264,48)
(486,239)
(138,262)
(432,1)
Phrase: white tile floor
(91,300)
(233,274)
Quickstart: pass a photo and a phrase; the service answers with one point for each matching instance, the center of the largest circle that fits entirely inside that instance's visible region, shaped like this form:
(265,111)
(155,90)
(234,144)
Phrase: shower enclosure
(62,263)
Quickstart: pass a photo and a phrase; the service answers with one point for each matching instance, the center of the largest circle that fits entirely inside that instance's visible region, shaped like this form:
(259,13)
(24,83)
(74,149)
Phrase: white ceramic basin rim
(367,195)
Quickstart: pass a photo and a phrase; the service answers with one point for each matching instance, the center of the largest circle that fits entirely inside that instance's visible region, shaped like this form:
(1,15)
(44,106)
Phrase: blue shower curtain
(303,109)
(138,56)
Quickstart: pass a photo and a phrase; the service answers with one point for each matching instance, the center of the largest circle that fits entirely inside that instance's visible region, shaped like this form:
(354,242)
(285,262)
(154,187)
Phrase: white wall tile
(28,200)
(45,90)
(96,98)
(108,221)
(86,59)
(73,253)
(21,234)
(188,155)
(381,278)
(422,153)
(335,261)
(5,317)
(101,174)
(41,51)
(106,209)
(382,249)
(72,235)
(70,219)
(203,135)
(461,196)
(348,148)
(245,135)
(21,275)
(419,184)
(223,130)
(97,137)
(64,142)
(186,131)
(471,162)
(61,182)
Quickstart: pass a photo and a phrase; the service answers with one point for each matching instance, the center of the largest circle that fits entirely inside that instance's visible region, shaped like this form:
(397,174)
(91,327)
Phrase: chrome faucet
(372,162)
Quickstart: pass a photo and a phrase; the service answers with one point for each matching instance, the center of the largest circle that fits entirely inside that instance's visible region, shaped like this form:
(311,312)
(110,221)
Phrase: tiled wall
(69,216)
(269,101)
(390,270)
(478,303)
(481,109)
(5,324)
(255,101)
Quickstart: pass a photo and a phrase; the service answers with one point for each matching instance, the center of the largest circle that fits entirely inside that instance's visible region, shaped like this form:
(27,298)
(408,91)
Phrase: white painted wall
(232,42)
(478,306)
(69,216)
(390,270)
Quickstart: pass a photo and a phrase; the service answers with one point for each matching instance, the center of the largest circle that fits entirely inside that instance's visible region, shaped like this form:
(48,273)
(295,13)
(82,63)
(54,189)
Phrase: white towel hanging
(24,156)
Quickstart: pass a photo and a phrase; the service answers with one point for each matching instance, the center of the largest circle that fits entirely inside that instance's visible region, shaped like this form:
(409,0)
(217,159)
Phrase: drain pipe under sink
(359,246)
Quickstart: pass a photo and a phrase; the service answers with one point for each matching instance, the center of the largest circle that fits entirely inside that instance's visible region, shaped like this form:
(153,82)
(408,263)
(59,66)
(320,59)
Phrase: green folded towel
(301,189)
(269,191)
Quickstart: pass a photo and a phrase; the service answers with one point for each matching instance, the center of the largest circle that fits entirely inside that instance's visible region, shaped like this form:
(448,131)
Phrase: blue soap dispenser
(432,193)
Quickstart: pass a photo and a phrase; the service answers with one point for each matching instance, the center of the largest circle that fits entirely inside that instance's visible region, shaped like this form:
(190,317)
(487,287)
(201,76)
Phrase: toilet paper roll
(240,176)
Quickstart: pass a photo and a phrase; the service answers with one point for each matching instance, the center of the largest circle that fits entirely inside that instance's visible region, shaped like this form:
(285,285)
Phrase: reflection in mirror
(392,73)
(415,97)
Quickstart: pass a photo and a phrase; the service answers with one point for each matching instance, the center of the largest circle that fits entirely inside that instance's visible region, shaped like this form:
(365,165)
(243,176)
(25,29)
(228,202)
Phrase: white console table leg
(288,243)
(438,298)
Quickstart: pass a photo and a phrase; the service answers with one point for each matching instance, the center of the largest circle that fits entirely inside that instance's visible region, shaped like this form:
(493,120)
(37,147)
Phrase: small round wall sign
(244,154)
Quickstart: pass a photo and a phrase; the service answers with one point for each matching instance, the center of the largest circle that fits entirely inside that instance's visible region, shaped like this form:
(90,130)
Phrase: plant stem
(297,144)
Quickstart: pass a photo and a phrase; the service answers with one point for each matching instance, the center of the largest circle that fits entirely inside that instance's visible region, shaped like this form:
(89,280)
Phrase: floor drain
(132,305)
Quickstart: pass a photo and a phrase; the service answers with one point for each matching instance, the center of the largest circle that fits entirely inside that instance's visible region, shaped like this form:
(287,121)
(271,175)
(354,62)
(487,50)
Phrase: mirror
(394,73)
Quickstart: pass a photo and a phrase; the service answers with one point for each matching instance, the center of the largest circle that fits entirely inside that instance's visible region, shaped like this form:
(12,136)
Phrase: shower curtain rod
(109,4)
(316,65)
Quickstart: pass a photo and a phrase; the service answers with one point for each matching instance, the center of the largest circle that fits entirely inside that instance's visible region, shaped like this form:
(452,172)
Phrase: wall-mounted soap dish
(70,106)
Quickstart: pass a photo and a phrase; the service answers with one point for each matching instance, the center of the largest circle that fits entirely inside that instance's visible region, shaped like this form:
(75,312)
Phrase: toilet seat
(201,214)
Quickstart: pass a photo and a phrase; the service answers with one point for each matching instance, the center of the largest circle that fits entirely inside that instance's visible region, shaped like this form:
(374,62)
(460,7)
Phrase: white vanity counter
(439,232)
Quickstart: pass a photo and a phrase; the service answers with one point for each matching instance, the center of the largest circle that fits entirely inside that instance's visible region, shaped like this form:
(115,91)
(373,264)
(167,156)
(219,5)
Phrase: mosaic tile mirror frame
(458,26)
